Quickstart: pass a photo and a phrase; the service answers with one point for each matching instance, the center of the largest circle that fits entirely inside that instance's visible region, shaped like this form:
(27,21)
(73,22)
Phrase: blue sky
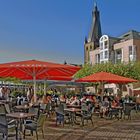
(54,30)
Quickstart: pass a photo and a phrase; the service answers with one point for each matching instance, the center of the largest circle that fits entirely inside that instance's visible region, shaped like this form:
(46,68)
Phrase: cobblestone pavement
(103,129)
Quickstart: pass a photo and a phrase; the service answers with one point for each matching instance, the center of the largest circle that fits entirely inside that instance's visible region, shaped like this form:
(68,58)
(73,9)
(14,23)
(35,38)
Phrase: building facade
(125,48)
(100,48)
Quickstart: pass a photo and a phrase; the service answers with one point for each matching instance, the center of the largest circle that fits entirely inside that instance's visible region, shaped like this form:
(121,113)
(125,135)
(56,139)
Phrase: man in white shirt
(1,94)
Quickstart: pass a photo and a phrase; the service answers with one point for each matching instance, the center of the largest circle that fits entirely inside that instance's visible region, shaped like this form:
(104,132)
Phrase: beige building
(100,48)
(125,48)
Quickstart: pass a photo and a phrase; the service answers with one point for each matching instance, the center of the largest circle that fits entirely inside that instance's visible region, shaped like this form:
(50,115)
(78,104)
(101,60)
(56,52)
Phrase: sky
(54,30)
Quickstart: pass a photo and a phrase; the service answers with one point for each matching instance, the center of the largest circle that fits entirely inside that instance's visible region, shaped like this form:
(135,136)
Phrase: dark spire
(65,62)
(95,6)
(95,32)
(86,40)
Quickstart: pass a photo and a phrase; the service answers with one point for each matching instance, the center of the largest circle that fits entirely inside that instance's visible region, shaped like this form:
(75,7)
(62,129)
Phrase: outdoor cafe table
(19,117)
(73,112)
(74,106)
(22,107)
(5,101)
(120,109)
(130,104)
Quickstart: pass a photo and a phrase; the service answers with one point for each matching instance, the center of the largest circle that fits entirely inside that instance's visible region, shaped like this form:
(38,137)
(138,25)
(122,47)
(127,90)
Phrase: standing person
(1,94)
(4,91)
(28,94)
(7,93)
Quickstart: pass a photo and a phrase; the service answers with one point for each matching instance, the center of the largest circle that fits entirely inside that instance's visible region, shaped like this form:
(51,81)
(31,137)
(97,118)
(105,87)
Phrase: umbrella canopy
(106,77)
(28,70)
(37,70)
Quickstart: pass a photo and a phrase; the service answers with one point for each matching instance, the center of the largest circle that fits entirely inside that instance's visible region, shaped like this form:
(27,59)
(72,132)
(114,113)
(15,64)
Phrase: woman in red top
(114,104)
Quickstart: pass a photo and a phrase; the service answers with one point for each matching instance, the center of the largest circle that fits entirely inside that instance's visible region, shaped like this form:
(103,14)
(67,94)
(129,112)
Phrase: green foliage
(39,92)
(85,71)
(131,70)
(10,79)
(16,93)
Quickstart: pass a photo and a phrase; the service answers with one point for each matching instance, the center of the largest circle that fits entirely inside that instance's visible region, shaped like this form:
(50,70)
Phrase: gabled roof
(132,34)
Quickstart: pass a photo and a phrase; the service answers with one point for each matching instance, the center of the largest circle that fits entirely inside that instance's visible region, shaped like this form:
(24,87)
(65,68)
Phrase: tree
(130,70)
(10,79)
(86,70)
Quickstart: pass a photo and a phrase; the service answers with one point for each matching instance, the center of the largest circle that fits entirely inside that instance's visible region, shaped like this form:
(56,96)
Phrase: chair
(86,114)
(14,102)
(48,109)
(2,109)
(7,107)
(53,107)
(127,111)
(5,127)
(43,107)
(113,112)
(36,125)
(35,111)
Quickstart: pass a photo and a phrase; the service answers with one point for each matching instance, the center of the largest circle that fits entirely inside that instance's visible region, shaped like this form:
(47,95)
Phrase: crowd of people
(100,103)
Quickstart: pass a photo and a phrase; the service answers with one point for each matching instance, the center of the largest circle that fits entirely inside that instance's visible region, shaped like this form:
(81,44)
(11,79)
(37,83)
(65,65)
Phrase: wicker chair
(5,126)
(36,125)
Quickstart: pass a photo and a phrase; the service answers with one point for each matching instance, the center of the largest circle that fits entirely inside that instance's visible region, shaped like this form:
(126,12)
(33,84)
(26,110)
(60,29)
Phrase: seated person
(62,98)
(126,100)
(117,99)
(83,99)
(104,107)
(114,104)
(75,101)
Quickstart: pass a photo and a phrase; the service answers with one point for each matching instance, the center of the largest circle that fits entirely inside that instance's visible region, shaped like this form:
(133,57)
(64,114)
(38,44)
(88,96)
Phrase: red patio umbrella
(105,77)
(37,70)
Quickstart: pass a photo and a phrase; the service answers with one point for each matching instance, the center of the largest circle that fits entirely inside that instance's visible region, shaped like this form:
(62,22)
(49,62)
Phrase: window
(106,54)
(118,55)
(106,44)
(97,57)
(101,55)
(101,45)
(130,50)
(134,53)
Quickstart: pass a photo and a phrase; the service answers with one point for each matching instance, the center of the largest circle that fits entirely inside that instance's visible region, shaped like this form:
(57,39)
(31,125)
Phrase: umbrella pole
(34,80)
(44,87)
(102,94)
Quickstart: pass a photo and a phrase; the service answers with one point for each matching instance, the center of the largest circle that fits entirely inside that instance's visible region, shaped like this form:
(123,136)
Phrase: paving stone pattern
(103,129)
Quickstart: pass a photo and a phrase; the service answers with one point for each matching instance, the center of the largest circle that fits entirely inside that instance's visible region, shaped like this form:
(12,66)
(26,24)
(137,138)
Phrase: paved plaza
(103,129)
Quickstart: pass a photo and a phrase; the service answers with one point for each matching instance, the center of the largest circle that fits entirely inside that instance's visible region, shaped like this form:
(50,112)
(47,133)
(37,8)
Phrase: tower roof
(95,32)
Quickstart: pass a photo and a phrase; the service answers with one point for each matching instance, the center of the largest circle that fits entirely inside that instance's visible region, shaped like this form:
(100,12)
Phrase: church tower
(94,35)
